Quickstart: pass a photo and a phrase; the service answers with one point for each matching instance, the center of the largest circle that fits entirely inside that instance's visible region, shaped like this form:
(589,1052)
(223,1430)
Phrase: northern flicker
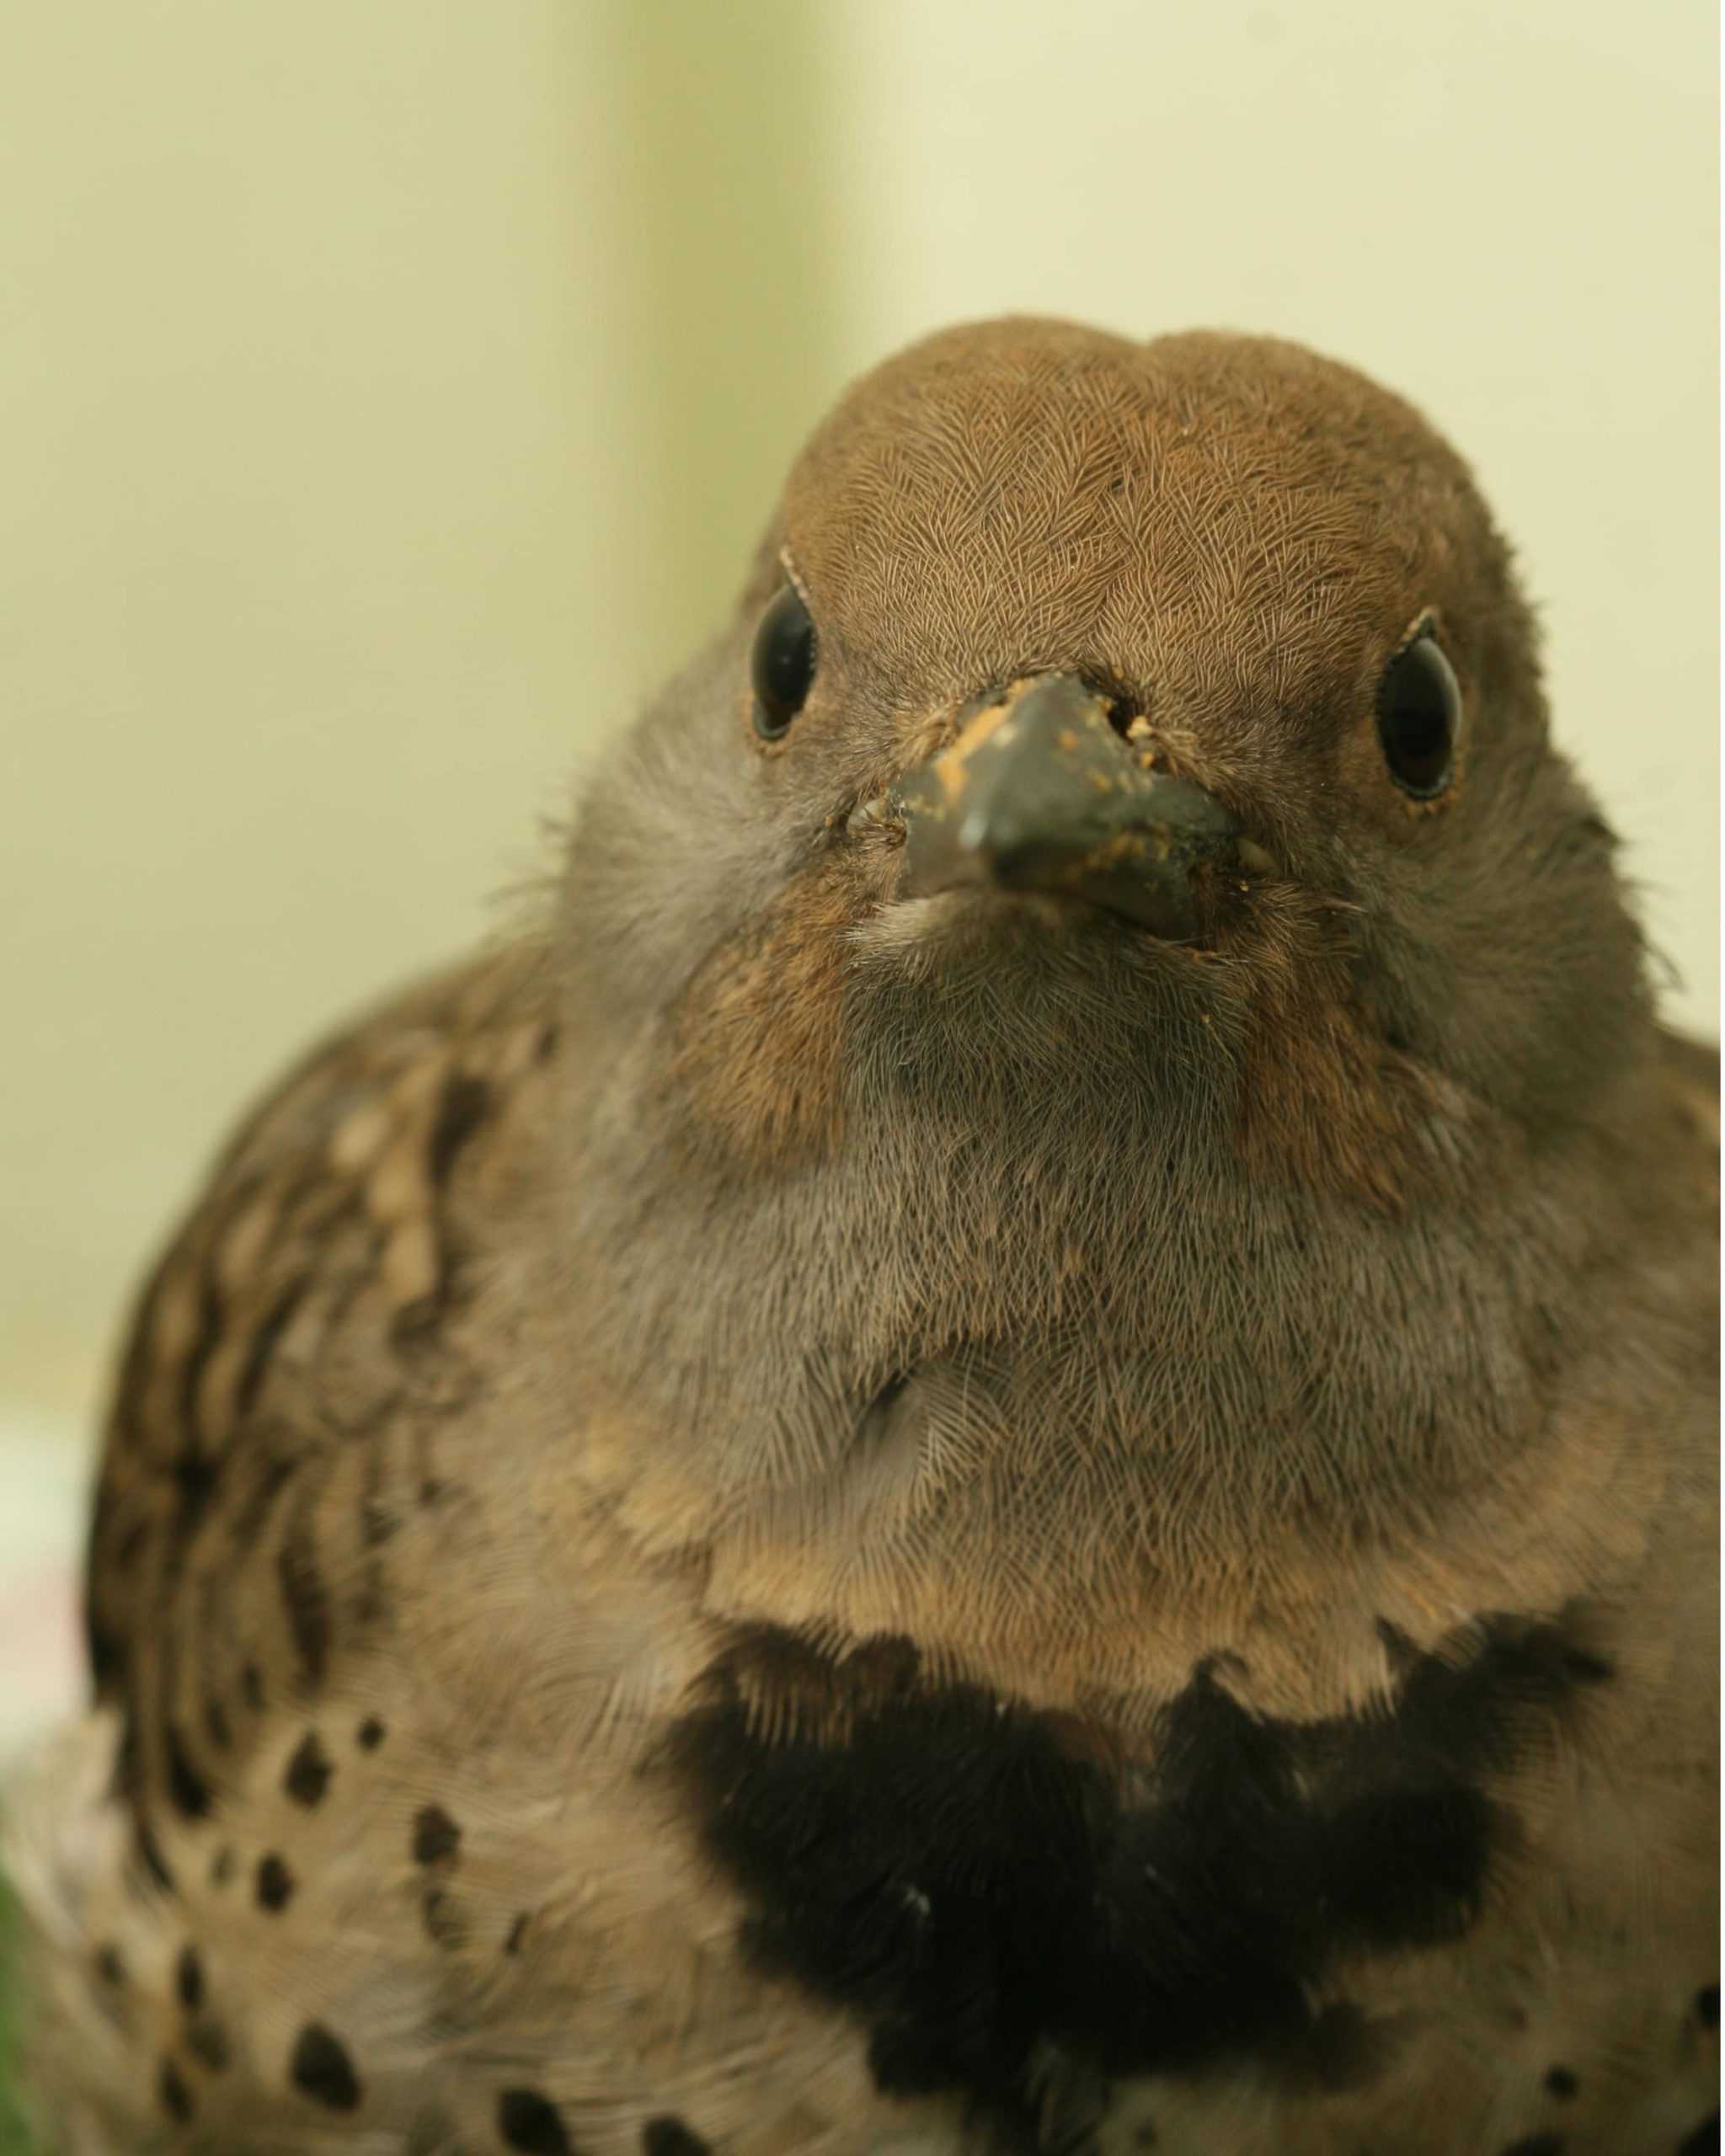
(1010,1443)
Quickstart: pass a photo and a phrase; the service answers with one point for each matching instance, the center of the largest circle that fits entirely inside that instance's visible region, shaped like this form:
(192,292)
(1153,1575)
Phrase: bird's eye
(1419,711)
(782,666)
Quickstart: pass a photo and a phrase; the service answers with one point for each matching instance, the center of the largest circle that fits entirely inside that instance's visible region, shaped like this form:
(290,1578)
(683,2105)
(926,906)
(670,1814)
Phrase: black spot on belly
(322,2068)
(308,1771)
(435,1835)
(176,2097)
(274,1883)
(109,1967)
(1536,2144)
(189,1979)
(978,1881)
(527,2122)
(370,1734)
(1706,2006)
(1561,2082)
(668,2136)
(1704,2141)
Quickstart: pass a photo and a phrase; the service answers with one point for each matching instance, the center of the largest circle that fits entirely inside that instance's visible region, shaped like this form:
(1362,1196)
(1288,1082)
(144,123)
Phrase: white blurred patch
(46,1463)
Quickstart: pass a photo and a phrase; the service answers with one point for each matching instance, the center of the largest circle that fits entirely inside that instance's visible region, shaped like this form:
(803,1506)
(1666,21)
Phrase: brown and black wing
(262,1436)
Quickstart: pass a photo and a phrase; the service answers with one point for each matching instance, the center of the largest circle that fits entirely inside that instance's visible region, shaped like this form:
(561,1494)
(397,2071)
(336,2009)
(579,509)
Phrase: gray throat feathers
(1053,1351)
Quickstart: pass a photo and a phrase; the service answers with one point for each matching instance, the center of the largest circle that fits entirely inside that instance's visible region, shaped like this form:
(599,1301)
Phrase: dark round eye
(781,664)
(1419,710)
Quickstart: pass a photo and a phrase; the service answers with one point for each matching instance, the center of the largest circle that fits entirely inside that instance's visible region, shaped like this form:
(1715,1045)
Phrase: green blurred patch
(13,2141)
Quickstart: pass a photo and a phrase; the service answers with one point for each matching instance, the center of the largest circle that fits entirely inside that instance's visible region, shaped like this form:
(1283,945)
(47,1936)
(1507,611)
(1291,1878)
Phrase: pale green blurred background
(391,390)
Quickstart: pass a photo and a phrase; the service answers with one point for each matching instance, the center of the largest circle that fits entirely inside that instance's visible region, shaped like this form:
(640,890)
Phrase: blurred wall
(389,392)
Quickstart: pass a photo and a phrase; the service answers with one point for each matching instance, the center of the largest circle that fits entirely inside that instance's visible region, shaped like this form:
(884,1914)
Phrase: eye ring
(782,662)
(1418,709)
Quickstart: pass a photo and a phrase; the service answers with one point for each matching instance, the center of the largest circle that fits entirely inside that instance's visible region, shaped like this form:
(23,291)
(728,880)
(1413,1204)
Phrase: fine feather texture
(782,1517)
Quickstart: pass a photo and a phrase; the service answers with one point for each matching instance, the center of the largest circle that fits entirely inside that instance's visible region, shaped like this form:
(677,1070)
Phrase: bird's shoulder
(1691,1074)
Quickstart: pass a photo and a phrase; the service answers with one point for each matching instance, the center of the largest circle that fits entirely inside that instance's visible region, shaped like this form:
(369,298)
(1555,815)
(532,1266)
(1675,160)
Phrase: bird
(1004,1440)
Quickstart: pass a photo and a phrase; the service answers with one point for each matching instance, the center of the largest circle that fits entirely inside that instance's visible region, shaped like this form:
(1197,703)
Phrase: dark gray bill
(1040,793)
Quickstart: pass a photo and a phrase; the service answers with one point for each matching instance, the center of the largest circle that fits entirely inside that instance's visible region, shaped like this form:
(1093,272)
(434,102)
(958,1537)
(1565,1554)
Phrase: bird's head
(1098,716)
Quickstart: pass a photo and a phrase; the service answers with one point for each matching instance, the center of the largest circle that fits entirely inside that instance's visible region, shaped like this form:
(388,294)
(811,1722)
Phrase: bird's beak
(1040,793)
